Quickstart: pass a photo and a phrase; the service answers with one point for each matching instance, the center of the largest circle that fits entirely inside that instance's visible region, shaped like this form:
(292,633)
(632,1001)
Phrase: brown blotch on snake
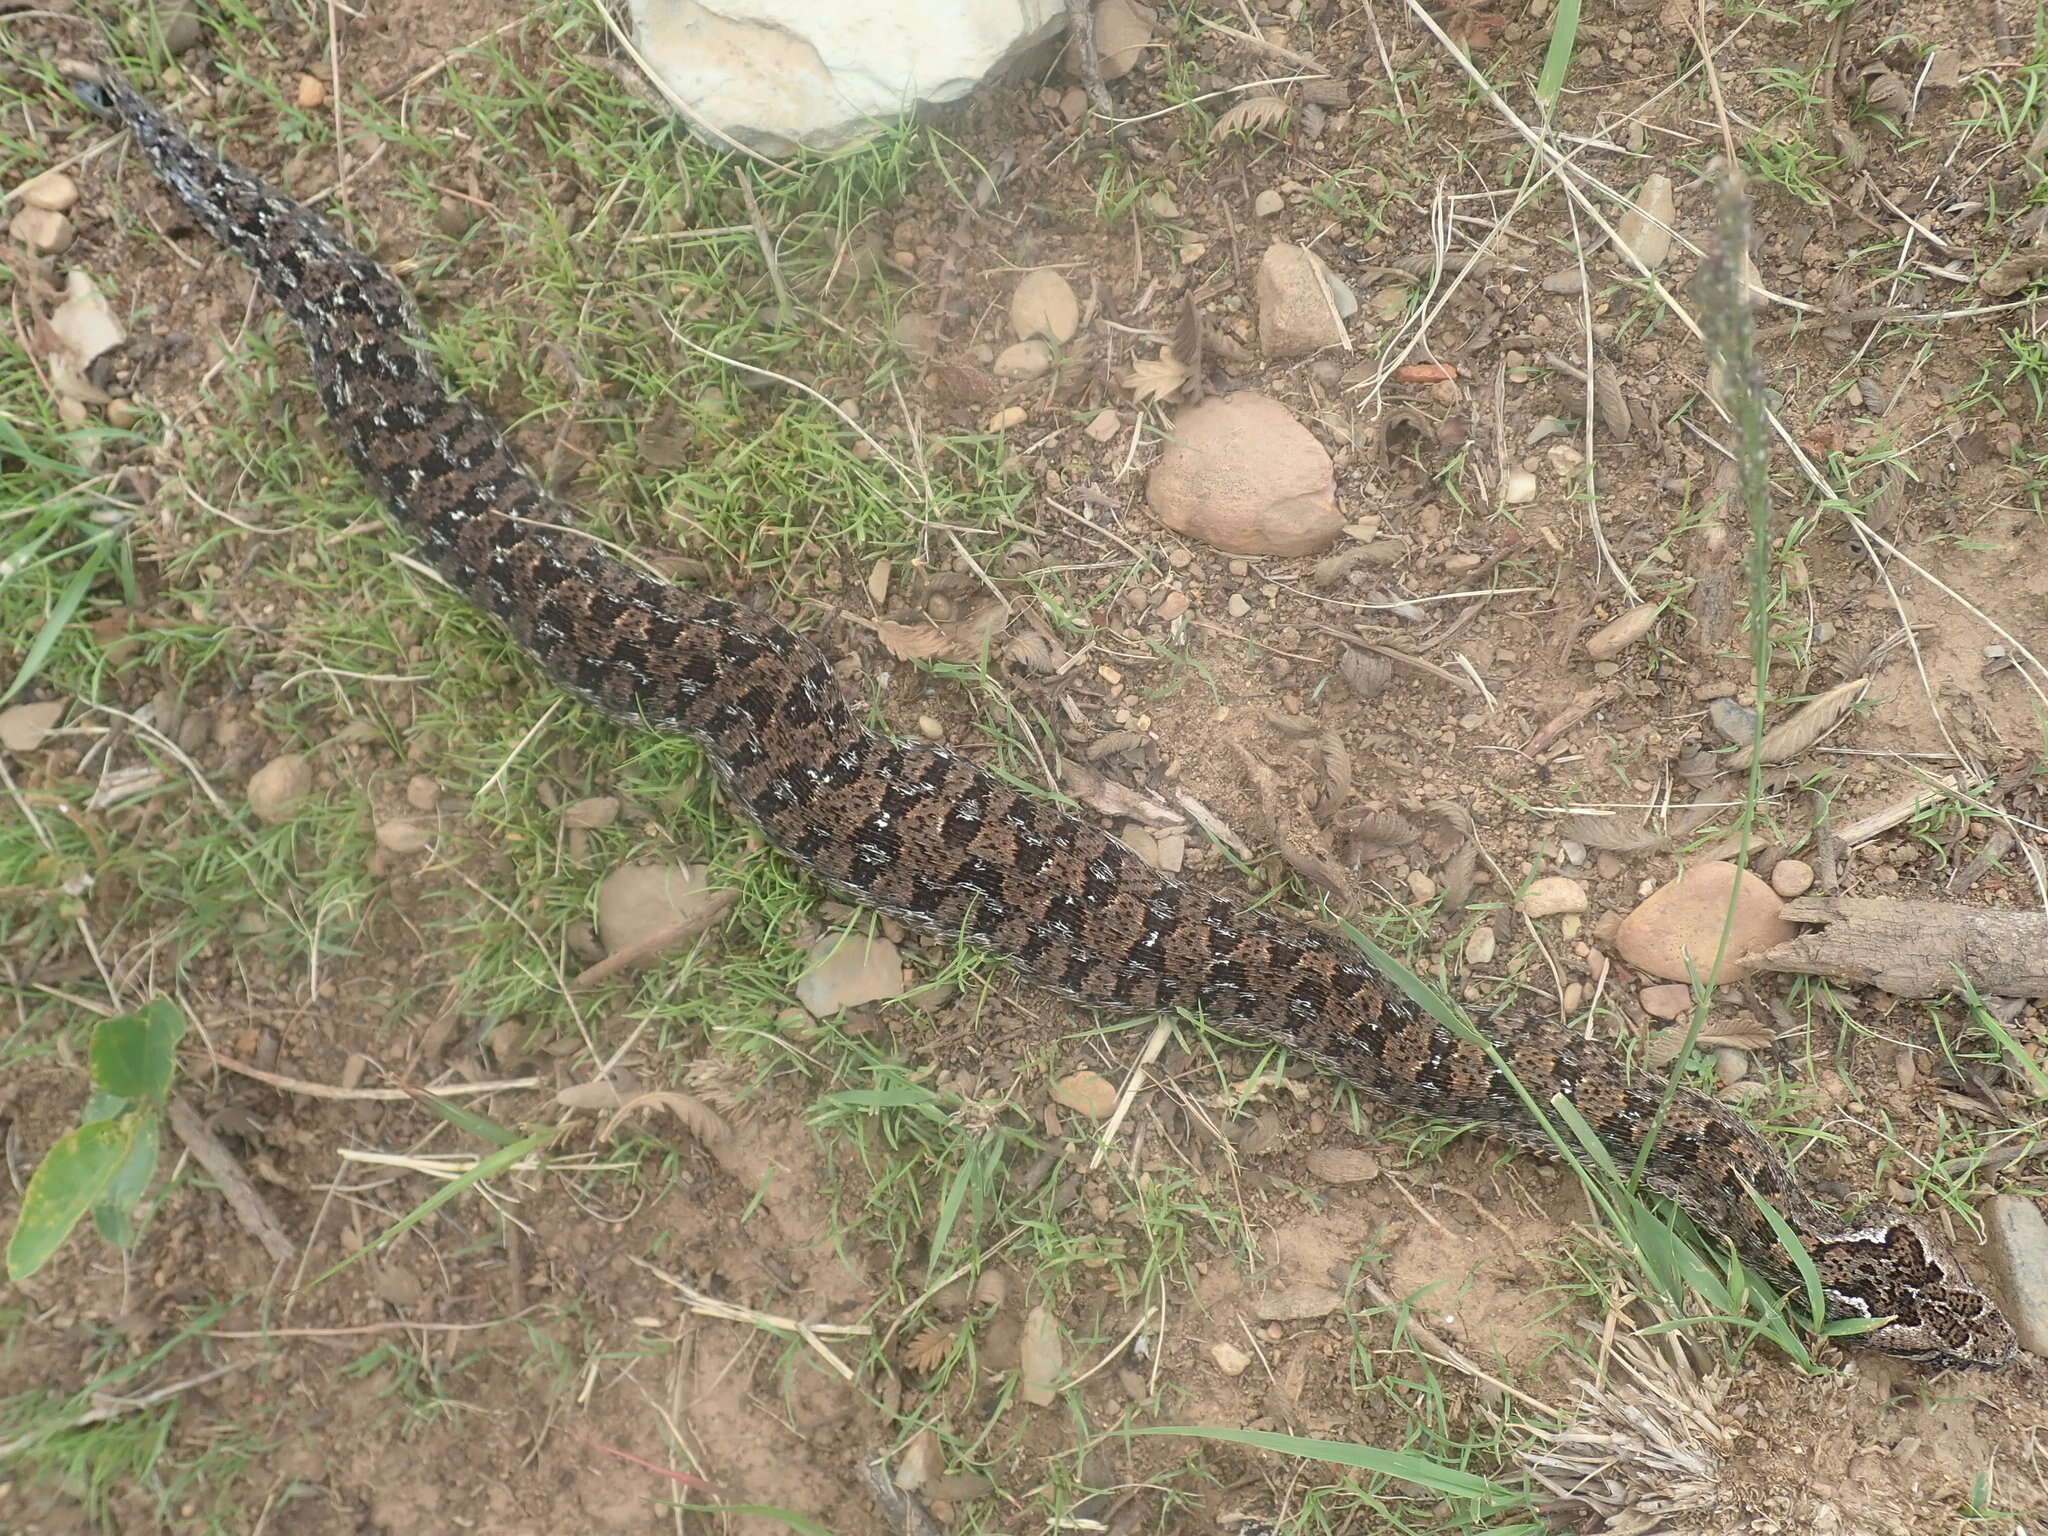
(929,837)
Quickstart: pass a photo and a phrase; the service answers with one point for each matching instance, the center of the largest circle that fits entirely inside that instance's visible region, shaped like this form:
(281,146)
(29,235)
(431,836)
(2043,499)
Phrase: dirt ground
(537,1370)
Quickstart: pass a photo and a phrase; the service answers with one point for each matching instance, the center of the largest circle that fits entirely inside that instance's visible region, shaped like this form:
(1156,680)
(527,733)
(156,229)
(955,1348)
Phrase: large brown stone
(1676,932)
(1242,475)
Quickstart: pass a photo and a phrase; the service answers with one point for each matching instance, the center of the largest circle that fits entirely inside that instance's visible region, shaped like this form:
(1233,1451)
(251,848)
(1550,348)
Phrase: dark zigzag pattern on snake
(927,835)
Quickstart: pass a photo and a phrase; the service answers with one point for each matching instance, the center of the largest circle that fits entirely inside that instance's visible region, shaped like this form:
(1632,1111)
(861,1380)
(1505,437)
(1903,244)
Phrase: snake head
(1892,1266)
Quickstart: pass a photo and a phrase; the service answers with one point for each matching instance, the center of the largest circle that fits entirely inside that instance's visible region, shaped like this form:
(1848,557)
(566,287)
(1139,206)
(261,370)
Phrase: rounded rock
(1677,929)
(403,835)
(1553,896)
(276,788)
(1122,29)
(42,229)
(637,901)
(53,191)
(1045,305)
(1666,1000)
(1791,878)
(1240,474)
(1023,360)
(1086,1093)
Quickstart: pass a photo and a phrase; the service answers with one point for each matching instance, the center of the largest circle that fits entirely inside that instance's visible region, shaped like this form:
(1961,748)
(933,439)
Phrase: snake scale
(925,834)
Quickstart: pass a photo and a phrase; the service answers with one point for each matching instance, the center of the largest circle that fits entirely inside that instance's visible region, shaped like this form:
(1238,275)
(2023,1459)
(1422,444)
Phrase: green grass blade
(486,1168)
(60,614)
(1420,1470)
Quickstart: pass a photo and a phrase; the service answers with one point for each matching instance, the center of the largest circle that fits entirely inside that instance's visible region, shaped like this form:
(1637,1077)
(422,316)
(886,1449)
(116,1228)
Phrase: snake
(925,834)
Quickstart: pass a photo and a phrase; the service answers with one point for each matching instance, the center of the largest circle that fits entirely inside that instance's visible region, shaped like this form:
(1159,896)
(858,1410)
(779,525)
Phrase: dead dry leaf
(1255,114)
(698,1118)
(1813,720)
(1114,799)
(1158,378)
(963,639)
(928,1351)
(1185,346)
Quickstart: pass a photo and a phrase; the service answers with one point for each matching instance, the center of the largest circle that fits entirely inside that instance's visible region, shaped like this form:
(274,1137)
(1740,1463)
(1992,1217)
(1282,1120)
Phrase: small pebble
(53,191)
(453,217)
(593,812)
(123,413)
(931,728)
(1230,1360)
(1268,203)
(1343,1165)
(43,229)
(276,788)
(1238,607)
(1024,360)
(1009,416)
(312,92)
(1666,1000)
(422,793)
(1105,425)
(403,835)
(1087,1093)
(1480,945)
(1553,895)
(1791,877)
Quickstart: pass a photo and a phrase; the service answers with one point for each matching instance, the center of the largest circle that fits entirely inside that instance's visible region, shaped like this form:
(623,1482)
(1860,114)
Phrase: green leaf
(113,1211)
(136,1054)
(71,1176)
(102,1105)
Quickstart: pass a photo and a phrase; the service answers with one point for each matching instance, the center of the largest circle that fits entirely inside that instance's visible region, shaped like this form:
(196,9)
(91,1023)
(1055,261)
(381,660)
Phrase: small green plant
(106,1164)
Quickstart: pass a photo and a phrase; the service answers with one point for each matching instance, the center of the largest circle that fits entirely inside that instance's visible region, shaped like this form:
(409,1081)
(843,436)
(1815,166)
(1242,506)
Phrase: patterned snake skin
(926,835)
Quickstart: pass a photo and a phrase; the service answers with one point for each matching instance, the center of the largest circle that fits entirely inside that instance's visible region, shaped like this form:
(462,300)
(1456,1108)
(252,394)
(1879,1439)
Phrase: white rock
(52,190)
(1045,305)
(1268,203)
(781,74)
(85,322)
(1667,1000)
(403,835)
(1481,945)
(2018,1243)
(1242,475)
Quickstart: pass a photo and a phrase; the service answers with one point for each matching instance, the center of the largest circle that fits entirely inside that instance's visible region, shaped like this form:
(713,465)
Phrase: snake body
(925,834)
